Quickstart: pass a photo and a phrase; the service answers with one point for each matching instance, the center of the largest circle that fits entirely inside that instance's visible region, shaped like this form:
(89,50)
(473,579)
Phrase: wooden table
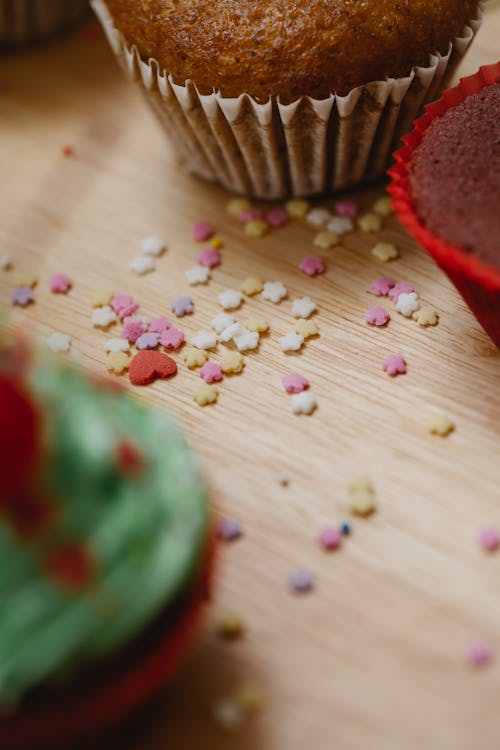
(375,656)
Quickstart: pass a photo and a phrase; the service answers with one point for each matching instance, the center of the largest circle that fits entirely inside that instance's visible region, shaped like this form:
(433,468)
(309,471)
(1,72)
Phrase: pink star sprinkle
(312,265)
(479,654)
(132,330)
(347,208)
(277,217)
(394,365)
(208,257)
(211,372)
(123,305)
(330,538)
(171,338)
(251,214)
(60,283)
(158,325)
(489,539)
(377,316)
(400,289)
(202,231)
(295,383)
(381,287)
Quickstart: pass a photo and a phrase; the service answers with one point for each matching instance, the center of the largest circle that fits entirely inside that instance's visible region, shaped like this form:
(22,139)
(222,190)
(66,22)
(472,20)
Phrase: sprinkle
(59,342)
(383,207)
(152,246)
(60,283)
(206,394)
(479,654)
(194,357)
(407,304)
(237,206)
(26,279)
(250,214)
(401,288)
(117,345)
(362,497)
(489,539)
(124,306)
(202,231)
(228,334)
(204,340)
(303,403)
(347,208)
(301,581)
(232,363)
(377,316)
(394,365)
(370,222)
(149,365)
(381,287)
(252,285)
(159,325)
(247,340)
(221,322)
(22,296)
(303,308)
(102,317)
(117,362)
(317,217)
(274,291)
(340,225)
(230,626)
(182,306)
(256,228)
(441,425)
(211,372)
(326,239)
(312,265)
(209,257)
(295,383)
(228,714)
(360,484)
(148,340)
(230,299)
(345,528)
(172,338)
(67,150)
(385,251)
(426,316)
(216,243)
(307,328)
(330,538)
(5,263)
(292,342)
(277,218)
(142,264)
(101,297)
(228,529)
(257,324)
(132,329)
(197,275)
(297,209)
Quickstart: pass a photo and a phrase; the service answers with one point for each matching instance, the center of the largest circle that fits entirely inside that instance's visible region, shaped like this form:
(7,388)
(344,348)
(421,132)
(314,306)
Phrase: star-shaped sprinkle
(394,365)
(326,239)
(102,317)
(221,322)
(370,222)
(204,340)
(133,329)
(385,251)
(303,403)
(194,357)
(277,217)
(202,231)
(206,394)
(307,328)
(158,325)
(441,425)
(172,338)
(312,265)
(60,283)
(209,257)
(236,206)
(382,286)
(252,285)
(377,316)
(303,308)
(426,316)
(117,345)
(101,297)
(407,304)
(142,264)
(228,529)
(152,246)
(22,296)
(182,306)
(401,288)
(297,208)
(291,342)
(59,342)
(340,225)
(257,324)
(251,214)
(318,217)
(148,340)
(211,372)
(230,299)
(347,208)
(117,362)
(301,581)
(274,291)
(383,206)
(232,363)
(228,334)
(197,275)
(295,383)
(247,340)
(256,228)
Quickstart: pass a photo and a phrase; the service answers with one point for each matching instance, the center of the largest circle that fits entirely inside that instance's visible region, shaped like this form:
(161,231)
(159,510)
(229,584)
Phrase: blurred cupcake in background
(26,21)
(276,98)
(105,543)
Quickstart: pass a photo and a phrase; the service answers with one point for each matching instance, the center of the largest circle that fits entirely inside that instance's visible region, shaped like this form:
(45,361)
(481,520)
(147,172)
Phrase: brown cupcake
(309,73)
(26,21)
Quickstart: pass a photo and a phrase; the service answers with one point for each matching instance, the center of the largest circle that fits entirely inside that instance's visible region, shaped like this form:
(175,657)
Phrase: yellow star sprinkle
(256,228)
(370,222)
(297,209)
(216,243)
(306,328)
(25,279)
(117,362)
(194,357)
(102,297)
(383,207)
(206,394)
(426,316)
(362,497)
(252,285)
(326,239)
(385,251)
(237,206)
(441,426)
(256,324)
(360,484)
(232,362)
(230,625)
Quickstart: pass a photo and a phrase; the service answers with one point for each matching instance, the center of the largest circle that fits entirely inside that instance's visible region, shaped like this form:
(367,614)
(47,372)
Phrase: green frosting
(146,533)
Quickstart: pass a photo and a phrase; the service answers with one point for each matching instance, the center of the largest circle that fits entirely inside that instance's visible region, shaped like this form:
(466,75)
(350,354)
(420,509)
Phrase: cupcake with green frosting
(104,553)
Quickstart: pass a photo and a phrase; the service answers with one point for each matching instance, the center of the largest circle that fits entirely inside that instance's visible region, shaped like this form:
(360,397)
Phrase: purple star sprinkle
(301,581)
(22,295)
(182,306)
(228,529)
(148,340)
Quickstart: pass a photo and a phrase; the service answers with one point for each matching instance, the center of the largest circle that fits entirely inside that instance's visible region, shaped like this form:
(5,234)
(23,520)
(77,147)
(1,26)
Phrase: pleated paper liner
(274,150)
(25,21)
(117,691)
(478,283)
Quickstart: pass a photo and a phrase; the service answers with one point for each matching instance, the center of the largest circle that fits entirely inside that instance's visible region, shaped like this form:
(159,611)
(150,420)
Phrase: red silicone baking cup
(478,283)
(84,715)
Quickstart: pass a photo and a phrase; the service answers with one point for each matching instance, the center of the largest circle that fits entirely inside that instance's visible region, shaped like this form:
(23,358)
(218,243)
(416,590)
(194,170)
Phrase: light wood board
(375,656)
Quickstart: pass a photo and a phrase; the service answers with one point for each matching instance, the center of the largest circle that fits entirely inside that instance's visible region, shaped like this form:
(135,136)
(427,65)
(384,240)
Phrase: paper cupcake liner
(478,283)
(104,702)
(274,150)
(23,21)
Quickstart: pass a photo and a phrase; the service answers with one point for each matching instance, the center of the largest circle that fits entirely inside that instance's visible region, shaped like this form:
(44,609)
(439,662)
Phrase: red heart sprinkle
(148,365)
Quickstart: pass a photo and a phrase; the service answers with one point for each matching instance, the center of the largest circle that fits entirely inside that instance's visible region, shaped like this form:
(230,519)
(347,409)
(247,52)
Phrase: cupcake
(25,21)
(446,186)
(274,98)
(105,542)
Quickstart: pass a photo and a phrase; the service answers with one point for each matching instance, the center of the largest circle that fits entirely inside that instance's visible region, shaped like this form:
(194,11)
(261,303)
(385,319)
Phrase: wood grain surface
(375,656)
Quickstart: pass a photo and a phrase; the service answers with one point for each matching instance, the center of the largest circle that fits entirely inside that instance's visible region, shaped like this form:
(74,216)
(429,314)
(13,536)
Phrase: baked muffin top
(289,47)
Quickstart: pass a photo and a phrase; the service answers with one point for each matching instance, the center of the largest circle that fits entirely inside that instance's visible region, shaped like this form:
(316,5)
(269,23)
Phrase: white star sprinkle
(117,345)
(102,317)
(152,246)
(303,308)
(247,340)
(142,264)
(230,299)
(303,403)
(197,275)
(407,304)
(59,342)
(235,329)
(292,342)
(340,225)
(274,291)
(204,340)
(221,322)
